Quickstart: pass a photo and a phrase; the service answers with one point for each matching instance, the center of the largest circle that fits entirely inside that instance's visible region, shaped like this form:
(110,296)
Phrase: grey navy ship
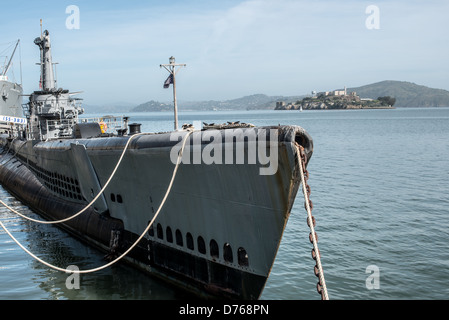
(219,230)
(10,97)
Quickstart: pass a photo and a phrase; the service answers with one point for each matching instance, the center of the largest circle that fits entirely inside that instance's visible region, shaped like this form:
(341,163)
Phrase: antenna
(171,68)
(41,27)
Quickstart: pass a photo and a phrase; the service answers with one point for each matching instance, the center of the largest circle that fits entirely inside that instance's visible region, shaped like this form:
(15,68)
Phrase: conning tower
(51,112)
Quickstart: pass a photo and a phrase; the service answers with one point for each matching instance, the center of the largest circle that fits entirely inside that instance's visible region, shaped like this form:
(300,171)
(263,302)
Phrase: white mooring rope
(89,204)
(134,244)
(312,229)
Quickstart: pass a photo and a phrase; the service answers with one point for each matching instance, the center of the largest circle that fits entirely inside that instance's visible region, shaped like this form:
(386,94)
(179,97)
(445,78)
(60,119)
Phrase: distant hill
(152,106)
(407,94)
(255,101)
(242,103)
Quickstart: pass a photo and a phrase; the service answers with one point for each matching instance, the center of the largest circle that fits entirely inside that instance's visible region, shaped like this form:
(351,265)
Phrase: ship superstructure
(51,112)
(11,113)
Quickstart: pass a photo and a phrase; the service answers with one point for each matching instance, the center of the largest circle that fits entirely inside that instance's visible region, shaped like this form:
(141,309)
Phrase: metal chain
(313,237)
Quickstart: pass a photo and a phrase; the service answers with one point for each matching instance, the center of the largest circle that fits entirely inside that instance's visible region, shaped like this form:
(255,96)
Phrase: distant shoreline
(364,108)
(407,95)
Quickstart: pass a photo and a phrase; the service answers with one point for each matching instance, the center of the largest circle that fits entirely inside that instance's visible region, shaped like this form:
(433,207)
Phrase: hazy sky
(231,48)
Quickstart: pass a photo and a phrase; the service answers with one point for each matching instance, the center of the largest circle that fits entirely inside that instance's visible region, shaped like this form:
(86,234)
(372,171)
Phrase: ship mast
(47,76)
(171,68)
(10,60)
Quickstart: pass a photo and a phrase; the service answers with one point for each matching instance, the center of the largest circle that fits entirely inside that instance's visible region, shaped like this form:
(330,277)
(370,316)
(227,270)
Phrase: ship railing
(108,124)
(64,128)
(58,129)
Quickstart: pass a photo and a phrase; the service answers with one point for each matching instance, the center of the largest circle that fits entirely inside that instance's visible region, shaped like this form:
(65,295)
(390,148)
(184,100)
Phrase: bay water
(380,189)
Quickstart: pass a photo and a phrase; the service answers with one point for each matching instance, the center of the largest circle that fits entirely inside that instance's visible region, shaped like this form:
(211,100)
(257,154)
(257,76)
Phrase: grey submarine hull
(219,231)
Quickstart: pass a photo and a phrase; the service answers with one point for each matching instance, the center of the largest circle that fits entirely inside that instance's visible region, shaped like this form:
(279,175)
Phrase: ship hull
(217,234)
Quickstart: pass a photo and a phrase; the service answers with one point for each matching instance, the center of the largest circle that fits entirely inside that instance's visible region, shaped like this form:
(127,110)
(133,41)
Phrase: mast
(171,68)
(10,60)
(47,76)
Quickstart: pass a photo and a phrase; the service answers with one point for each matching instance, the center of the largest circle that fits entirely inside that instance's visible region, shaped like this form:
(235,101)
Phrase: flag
(168,81)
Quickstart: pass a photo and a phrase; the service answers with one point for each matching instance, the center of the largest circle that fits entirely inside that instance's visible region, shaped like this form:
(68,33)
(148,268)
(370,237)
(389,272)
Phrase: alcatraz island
(337,99)
(381,95)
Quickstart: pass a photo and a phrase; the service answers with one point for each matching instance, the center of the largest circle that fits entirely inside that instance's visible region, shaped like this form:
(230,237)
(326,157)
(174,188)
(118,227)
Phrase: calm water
(380,189)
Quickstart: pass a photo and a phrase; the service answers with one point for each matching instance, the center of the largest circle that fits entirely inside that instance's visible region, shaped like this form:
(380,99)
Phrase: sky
(231,48)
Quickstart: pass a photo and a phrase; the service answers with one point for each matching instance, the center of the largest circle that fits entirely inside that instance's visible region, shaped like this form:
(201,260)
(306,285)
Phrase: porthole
(242,257)
(160,232)
(213,246)
(189,241)
(151,231)
(119,199)
(227,253)
(178,236)
(169,235)
(201,245)
(112,197)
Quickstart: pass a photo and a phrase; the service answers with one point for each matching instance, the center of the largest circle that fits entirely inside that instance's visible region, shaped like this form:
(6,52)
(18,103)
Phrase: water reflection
(21,275)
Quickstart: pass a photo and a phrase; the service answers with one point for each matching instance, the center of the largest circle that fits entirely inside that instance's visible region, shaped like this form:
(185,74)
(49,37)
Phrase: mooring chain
(313,237)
